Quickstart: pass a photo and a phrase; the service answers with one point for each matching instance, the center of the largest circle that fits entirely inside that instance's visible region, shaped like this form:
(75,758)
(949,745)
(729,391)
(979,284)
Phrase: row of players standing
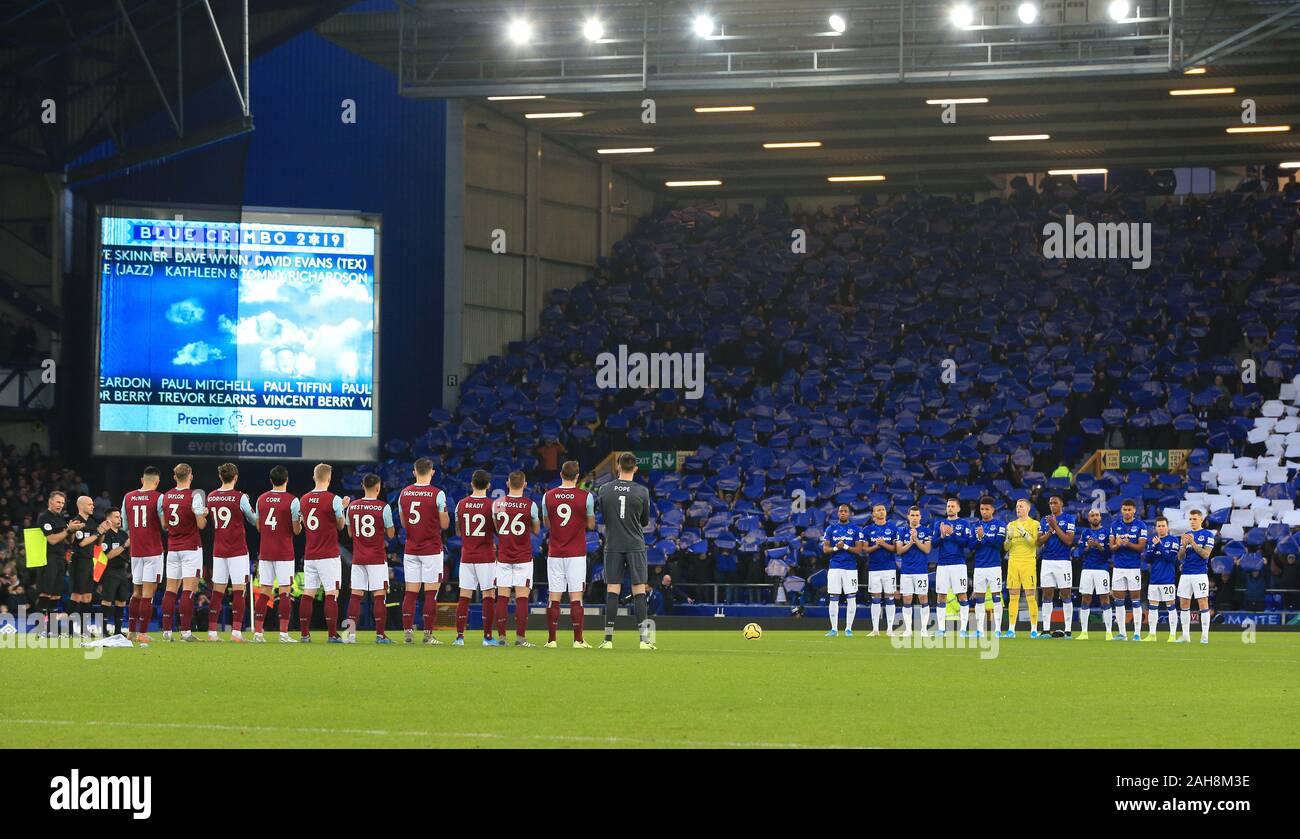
(1111,559)
(496,551)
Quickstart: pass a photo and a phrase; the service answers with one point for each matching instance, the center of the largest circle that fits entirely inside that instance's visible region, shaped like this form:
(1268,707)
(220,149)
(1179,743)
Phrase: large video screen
(252,336)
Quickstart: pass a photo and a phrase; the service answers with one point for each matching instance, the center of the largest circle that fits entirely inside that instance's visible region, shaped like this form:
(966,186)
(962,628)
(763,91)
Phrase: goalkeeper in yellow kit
(1022,573)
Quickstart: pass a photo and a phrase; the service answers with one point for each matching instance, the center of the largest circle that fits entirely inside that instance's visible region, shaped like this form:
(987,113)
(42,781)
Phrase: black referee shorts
(114,587)
(49,580)
(82,570)
(632,562)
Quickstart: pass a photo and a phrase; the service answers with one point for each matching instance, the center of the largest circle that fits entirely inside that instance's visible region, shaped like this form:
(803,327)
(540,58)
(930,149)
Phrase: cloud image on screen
(321,331)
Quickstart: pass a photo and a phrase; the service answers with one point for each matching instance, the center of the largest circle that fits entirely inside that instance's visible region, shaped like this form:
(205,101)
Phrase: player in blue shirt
(1094,579)
(1162,564)
(1057,572)
(1194,551)
(989,535)
(842,543)
(1128,540)
(953,535)
(882,566)
(912,546)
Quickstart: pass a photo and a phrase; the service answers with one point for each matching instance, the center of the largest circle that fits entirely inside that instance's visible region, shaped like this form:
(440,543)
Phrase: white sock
(890,614)
(964,610)
(1120,620)
(850,609)
(1137,619)
(907,618)
(1173,620)
(1068,608)
(875,616)
(1108,617)
(1153,617)
(997,615)
(920,612)
(1045,608)
(1205,626)
(1084,611)
(1187,624)
(979,617)
(941,617)
(835,614)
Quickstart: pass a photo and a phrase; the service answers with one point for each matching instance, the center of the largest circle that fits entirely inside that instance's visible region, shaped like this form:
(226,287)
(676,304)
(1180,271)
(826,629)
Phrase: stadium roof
(1099,89)
(110,66)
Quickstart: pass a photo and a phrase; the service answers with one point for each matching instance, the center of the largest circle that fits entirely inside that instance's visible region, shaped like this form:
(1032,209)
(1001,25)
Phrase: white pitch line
(382,732)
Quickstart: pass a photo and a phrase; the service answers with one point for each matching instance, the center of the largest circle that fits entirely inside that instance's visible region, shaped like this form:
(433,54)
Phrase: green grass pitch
(700,689)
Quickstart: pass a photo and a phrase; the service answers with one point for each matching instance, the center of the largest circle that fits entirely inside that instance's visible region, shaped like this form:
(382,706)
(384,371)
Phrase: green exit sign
(1144,459)
(656,461)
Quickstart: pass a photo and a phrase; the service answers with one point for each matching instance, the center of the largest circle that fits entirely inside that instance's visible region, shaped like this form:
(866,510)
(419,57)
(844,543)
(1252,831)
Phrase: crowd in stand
(825,369)
(921,348)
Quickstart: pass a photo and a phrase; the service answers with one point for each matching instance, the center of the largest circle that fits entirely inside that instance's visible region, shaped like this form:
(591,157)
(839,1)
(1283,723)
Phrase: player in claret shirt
(423,510)
(1094,579)
(1056,539)
(142,514)
(989,537)
(842,542)
(322,519)
(517,521)
(1162,564)
(912,544)
(1194,551)
(568,513)
(1128,540)
(370,521)
(478,558)
(279,519)
(185,513)
(229,509)
(882,567)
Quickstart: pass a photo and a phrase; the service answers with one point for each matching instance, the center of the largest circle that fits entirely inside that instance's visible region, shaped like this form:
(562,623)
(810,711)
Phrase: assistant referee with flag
(625,512)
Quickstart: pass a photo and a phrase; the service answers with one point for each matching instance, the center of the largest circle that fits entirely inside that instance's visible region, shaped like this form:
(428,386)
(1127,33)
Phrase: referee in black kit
(55,528)
(625,512)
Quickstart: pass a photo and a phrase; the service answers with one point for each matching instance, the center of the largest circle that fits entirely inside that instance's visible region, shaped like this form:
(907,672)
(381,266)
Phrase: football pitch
(789,689)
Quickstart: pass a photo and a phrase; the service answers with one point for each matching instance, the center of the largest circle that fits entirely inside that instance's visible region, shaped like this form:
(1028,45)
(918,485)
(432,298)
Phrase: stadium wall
(550,213)
(302,154)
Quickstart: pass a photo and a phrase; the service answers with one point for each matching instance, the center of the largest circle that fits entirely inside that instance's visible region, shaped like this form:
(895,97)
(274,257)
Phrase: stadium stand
(824,370)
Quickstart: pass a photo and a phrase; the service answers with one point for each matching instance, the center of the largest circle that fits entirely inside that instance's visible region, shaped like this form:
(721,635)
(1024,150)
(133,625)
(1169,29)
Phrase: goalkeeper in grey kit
(625,512)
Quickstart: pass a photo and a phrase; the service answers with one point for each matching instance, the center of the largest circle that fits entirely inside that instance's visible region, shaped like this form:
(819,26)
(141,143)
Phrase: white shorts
(275,572)
(423,569)
(1194,585)
(1094,581)
(514,575)
(146,569)
(950,579)
(841,581)
(987,581)
(184,564)
(882,582)
(230,569)
(1126,579)
(1056,573)
(370,577)
(566,573)
(914,584)
(1160,593)
(324,574)
(478,576)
